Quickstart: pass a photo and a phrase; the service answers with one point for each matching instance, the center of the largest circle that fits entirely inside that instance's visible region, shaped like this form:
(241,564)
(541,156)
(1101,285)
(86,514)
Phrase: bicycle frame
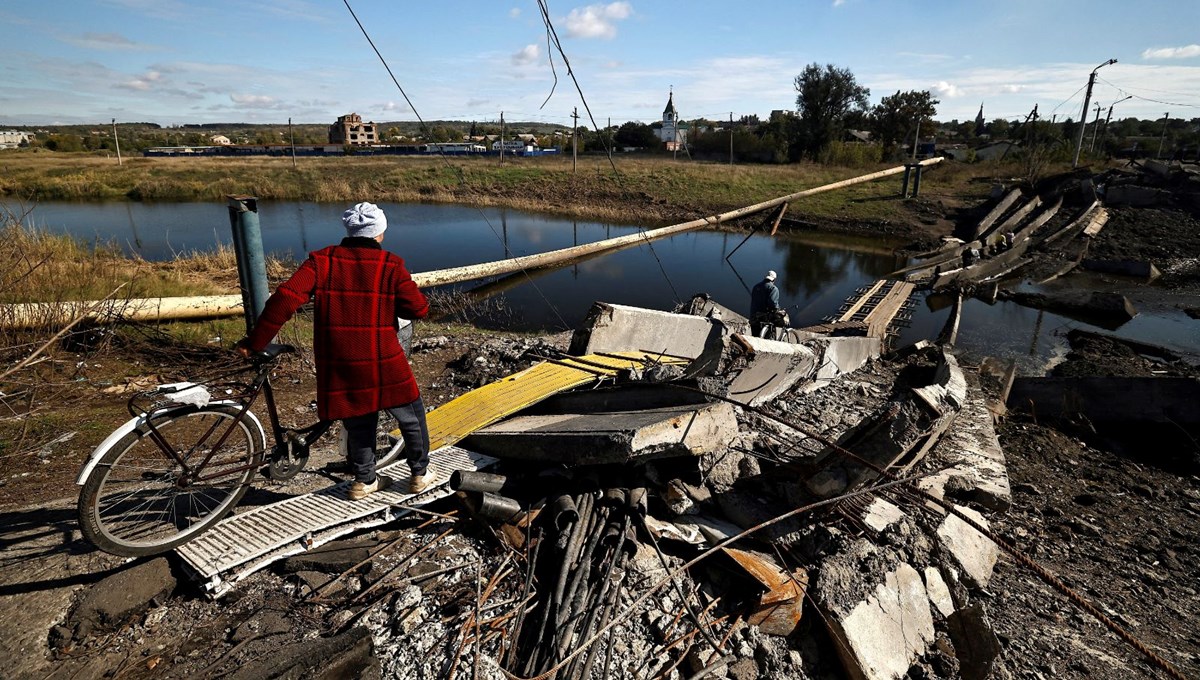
(261,384)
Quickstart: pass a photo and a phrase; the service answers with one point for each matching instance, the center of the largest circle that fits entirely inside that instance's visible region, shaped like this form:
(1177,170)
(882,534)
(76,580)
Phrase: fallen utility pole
(33,314)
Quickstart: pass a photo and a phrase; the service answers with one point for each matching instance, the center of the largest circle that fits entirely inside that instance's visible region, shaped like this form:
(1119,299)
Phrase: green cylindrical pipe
(251,261)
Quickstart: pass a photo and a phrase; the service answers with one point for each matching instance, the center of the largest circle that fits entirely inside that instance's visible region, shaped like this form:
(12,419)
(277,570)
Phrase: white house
(219,140)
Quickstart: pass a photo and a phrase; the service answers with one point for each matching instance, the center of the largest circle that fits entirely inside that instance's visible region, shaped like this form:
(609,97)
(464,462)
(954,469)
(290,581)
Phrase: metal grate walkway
(243,543)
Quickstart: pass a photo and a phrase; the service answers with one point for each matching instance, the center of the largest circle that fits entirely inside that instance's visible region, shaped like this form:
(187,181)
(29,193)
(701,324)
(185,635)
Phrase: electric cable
(458,170)
(552,37)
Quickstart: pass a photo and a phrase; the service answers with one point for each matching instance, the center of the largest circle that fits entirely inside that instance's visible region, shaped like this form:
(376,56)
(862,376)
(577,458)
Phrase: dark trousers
(360,439)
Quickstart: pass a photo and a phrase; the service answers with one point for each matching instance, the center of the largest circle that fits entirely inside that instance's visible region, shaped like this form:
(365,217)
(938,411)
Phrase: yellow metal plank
(481,407)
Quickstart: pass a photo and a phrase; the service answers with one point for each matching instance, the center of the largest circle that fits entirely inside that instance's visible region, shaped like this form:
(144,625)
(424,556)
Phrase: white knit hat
(364,219)
(770,275)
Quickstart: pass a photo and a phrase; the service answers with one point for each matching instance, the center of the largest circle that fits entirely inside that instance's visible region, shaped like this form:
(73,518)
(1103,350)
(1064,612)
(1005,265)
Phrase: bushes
(851,154)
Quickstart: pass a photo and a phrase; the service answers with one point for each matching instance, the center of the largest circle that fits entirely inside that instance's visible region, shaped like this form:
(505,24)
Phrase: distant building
(673,133)
(220,140)
(11,139)
(352,131)
(980,126)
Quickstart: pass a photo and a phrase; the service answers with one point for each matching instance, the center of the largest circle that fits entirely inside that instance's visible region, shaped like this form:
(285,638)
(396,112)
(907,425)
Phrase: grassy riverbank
(647,190)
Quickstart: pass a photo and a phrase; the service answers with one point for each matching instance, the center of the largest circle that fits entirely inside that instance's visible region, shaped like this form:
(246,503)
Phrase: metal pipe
(495,506)
(470,480)
(564,512)
(251,262)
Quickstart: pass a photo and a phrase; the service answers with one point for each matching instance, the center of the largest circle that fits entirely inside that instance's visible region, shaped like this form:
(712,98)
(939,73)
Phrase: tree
(824,97)
(998,128)
(636,134)
(896,117)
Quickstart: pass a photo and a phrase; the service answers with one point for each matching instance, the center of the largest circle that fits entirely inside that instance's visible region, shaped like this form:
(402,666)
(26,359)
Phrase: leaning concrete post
(251,263)
(907,174)
(917,182)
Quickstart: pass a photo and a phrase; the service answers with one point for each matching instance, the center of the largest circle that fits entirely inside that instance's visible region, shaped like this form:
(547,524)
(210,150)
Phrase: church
(673,133)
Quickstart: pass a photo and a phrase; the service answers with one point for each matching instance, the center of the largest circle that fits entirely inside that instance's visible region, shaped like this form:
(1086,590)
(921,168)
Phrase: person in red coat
(358,290)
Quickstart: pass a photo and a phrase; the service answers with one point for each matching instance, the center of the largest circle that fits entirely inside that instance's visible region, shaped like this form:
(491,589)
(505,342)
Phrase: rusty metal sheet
(780,607)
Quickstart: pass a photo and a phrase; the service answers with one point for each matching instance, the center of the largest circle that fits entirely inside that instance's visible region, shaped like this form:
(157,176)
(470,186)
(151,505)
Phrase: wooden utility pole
(731,137)
(575,139)
(1095,128)
(916,136)
(501,138)
(609,135)
(116,140)
(1163,137)
(292,136)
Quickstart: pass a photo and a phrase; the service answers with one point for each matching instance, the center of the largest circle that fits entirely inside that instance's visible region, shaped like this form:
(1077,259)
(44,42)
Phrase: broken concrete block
(973,552)
(613,437)
(939,592)
(971,456)
(839,356)
(883,633)
(620,328)
(1135,195)
(881,514)
(770,369)
(975,643)
(124,594)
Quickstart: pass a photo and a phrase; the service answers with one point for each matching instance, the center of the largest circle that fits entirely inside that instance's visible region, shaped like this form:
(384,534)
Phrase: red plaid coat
(359,289)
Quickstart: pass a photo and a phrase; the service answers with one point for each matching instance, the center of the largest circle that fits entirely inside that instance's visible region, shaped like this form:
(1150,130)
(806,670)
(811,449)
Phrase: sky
(174,62)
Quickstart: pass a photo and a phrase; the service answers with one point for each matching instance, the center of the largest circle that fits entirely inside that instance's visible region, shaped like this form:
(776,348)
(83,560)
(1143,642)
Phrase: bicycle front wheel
(138,500)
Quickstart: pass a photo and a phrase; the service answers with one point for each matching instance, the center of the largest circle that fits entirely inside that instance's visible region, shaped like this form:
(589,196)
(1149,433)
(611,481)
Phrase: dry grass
(645,190)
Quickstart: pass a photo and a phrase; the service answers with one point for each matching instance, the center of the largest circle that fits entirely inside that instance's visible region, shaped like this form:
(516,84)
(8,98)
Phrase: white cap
(364,219)
(770,275)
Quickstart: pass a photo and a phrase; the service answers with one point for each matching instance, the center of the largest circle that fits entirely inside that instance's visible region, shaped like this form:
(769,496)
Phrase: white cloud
(1185,52)
(526,55)
(103,41)
(144,83)
(1011,89)
(254,101)
(597,21)
(946,89)
(514,12)
(838,3)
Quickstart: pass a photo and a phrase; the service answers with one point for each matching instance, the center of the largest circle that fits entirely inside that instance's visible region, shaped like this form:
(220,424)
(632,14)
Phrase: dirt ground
(1120,527)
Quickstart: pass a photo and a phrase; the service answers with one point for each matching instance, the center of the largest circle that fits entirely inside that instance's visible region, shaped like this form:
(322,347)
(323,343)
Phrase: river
(817,271)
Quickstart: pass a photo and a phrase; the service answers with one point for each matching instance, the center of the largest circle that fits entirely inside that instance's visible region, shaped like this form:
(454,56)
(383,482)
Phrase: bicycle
(184,461)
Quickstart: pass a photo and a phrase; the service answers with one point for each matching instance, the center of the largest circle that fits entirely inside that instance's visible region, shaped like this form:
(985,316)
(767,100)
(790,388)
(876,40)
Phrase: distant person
(358,290)
(764,304)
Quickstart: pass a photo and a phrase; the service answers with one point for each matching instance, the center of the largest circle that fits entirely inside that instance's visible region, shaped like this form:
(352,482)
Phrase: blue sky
(173,62)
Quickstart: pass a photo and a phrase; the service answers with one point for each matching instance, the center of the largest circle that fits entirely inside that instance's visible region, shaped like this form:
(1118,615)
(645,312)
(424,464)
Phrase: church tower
(672,133)
(980,128)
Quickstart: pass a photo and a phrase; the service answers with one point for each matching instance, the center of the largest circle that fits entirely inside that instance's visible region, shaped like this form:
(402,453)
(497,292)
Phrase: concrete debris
(969,461)
(974,553)
(620,328)
(117,598)
(975,644)
(882,630)
(609,437)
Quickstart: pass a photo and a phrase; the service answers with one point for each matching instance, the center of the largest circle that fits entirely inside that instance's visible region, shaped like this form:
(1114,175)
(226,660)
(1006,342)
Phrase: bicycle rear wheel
(135,501)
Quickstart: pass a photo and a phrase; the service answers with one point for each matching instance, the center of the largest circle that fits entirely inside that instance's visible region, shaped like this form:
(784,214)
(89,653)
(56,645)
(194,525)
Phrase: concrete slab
(973,552)
(1139,269)
(969,457)
(839,356)
(771,369)
(888,630)
(881,514)
(610,437)
(619,328)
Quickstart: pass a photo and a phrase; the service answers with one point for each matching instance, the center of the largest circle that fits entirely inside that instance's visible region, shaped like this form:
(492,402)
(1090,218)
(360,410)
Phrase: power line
(461,176)
(552,37)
